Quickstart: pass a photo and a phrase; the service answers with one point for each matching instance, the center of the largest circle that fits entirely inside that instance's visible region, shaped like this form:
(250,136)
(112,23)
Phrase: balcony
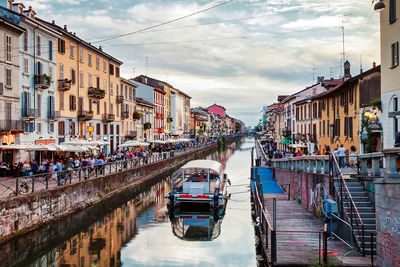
(120,99)
(96,93)
(109,117)
(64,84)
(131,134)
(42,81)
(53,115)
(30,114)
(11,126)
(85,115)
(125,115)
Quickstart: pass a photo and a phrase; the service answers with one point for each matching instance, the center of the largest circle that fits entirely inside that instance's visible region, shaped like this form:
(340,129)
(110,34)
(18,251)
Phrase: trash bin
(330,209)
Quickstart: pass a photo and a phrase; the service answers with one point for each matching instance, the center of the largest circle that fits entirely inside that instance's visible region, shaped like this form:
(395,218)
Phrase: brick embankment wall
(24,213)
(304,187)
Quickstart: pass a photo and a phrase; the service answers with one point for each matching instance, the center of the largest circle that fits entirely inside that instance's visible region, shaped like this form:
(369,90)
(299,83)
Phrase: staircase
(366,210)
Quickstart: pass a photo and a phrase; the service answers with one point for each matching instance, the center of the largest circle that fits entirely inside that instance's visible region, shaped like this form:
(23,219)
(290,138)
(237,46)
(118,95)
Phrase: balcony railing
(42,81)
(30,114)
(85,115)
(96,92)
(120,98)
(109,117)
(64,84)
(54,115)
(131,134)
(11,125)
(125,115)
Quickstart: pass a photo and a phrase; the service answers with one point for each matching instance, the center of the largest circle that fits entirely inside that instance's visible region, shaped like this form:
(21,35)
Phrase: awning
(286,141)
(297,145)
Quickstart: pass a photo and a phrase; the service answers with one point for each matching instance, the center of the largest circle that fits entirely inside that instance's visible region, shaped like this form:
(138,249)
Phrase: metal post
(319,247)
(372,249)
(47,181)
(252,157)
(274,214)
(325,245)
(33,184)
(273,246)
(16,186)
(363,237)
(289,193)
(341,199)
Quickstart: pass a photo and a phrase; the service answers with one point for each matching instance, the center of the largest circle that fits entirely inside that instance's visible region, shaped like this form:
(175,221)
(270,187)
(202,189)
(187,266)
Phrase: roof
(282,97)
(73,36)
(217,106)
(143,102)
(348,81)
(159,81)
(128,82)
(205,164)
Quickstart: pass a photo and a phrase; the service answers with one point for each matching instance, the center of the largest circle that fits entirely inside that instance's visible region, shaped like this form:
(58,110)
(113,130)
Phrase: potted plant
(147,125)
(137,115)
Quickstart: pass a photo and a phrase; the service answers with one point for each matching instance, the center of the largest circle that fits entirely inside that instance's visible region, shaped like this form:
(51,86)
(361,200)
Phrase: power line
(165,23)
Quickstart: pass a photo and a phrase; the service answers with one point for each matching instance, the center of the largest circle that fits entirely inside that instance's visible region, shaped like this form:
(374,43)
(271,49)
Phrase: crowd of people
(344,156)
(76,160)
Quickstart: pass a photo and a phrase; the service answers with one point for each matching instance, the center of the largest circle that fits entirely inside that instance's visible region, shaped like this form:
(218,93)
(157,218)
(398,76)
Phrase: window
(98,107)
(105,65)
(61,71)
(8,78)
(89,59)
(90,80)
(104,129)
(8,49)
(51,72)
(26,66)
(98,129)
(39,127)
(97,62)
(395,54)
(39,68)
(105,85)
(26,41)
(71,50)
(39,48)
(61,99)
(395,126)
(323,128)
(61,128)
(50,127)
(117,72)
(337,127)
(72,130)
(111,67)
(50,50)
(72,102)
(81,82)
(39,105)
(111,88)
(81,55)
(90,105)
(73,76)
(392,11)
(61,46)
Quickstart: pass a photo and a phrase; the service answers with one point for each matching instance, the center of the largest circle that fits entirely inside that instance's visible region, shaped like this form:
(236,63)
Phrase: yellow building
(127,98)
(144,126)
(88,80)
(336,113)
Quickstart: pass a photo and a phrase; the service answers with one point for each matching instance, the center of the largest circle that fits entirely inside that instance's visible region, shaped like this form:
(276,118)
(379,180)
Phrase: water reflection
(135,230)
(196,227)
(101,243)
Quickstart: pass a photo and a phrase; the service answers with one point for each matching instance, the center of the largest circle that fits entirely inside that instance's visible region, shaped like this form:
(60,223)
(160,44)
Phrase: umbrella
(132,144)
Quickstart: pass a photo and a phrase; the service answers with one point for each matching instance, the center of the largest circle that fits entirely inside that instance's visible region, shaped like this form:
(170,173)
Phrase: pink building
(218,110)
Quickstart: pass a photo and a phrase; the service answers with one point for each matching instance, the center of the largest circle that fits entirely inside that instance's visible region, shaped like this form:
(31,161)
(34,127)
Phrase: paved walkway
(303,249)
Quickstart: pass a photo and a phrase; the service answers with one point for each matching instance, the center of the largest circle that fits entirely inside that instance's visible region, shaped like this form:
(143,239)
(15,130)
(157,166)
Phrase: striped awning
(286,141)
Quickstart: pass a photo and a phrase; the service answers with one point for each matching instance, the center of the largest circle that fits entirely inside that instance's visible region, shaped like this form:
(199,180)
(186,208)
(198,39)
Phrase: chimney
(361,71)
(53,22)
(374,64)
(65,27)
(100,48)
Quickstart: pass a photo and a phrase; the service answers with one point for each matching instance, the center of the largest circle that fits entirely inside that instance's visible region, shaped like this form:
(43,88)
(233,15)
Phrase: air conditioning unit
(1,88)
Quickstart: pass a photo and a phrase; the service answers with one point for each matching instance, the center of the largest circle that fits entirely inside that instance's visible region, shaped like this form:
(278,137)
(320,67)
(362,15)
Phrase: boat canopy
(205,164)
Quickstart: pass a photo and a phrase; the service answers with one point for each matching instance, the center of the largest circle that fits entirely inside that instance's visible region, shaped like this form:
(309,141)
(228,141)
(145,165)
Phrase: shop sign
(90,129)
(8,139)
(45,142)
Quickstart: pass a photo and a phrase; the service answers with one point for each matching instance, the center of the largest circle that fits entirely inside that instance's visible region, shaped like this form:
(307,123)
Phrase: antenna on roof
(343,52)
(146,64)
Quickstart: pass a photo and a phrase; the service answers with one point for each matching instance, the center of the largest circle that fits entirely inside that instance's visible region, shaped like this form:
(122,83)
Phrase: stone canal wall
(387,205)
(24,213)
(304,187)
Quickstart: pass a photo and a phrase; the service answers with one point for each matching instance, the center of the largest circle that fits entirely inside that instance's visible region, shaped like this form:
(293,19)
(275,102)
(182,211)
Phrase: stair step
(356,189)
(367,215)
(361,199)
(368,220)
(363,204)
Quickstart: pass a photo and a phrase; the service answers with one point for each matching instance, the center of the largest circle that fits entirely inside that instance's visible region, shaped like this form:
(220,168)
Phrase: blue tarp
(266,178)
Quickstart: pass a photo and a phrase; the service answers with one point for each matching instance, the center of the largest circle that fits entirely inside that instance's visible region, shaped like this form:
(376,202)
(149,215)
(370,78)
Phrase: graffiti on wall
(317,197)
(389,248)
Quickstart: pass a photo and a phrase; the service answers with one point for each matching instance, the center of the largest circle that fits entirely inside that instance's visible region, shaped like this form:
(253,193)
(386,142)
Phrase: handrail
(353,208)
(263,211)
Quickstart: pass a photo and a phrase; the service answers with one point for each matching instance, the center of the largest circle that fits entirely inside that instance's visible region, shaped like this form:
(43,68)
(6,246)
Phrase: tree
(238,127)
(258,128)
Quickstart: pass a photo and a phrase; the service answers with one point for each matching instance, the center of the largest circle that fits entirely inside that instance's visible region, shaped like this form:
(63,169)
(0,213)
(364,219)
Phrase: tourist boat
(198,185)
(196,226)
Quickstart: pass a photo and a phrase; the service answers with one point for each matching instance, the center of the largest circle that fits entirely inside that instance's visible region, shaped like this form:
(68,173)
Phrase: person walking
(353,157)
(342,154)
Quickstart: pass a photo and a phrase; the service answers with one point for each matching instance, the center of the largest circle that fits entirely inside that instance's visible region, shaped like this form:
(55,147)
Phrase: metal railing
(346,204)
(11,125)
(268,233)
(44,181)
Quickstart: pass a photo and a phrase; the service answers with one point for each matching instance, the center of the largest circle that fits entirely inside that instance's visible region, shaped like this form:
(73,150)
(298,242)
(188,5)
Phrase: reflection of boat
(199,183)
(196,227)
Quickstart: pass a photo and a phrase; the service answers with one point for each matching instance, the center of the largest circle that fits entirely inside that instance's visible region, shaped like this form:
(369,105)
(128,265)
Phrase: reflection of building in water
(101,244)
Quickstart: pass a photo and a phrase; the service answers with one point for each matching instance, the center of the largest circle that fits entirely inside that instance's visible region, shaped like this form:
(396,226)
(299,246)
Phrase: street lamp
(310,114)
(379,5)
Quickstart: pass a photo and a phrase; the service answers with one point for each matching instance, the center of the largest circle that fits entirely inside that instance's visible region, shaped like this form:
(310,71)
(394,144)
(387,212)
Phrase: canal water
(136,230)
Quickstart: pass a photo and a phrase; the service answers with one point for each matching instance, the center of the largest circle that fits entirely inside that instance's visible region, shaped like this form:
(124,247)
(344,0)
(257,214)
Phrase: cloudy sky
(241,55)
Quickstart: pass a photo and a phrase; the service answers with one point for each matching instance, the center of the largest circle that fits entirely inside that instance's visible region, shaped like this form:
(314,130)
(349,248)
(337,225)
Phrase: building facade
(129,113)
(144,126)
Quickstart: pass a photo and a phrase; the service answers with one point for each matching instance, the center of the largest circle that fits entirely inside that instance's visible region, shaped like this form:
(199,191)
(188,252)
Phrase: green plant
(377,104)
(137,115)
(147,125)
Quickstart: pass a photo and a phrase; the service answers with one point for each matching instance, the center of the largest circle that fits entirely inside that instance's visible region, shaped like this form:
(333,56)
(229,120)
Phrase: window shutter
(73,76)
(392,11)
